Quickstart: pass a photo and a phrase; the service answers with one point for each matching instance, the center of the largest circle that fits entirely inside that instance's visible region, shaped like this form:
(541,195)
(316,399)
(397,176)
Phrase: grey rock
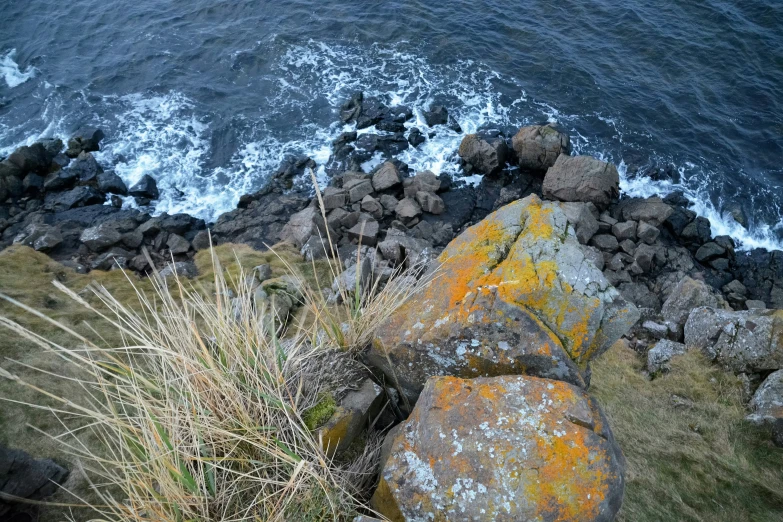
(146,187)
(430,202)
(595,256)
(372,206)
(424,181)
(389,203)
(580,215)
(698,231)
(624,230)
(628,246)
(25,477)
(177,244)
(316,248)
(365,232)
(408,211)
(356,409)
(582,178)
(605,242)
(301,226)
(746,341)
(709,251)
(640,295)
(645,256)
(111,183)
(386,177)
(486,154)
(100,237)
(686,296)
(181,269)
(661,354)
(751,304)
(334,197)
(647,233)
(537,147)
(357,189)
(651,210)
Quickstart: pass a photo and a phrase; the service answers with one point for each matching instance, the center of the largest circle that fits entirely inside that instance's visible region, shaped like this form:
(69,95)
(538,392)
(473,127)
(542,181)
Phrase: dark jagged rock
(111,183)
(146,187)
(437,115)
(25,477)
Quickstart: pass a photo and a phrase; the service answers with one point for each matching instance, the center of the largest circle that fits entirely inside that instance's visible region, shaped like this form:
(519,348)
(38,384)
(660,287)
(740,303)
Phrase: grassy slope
(697,462)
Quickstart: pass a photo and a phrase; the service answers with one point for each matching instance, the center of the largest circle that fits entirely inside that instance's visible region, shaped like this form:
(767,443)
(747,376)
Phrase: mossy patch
(317,416)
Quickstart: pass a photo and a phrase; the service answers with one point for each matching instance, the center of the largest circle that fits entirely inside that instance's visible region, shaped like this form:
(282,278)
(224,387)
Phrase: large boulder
(767,405)
(513,294)
(651,210)
(748,341)
(687,295)
(502,449)
(582,178)
(487,154)
(537,147)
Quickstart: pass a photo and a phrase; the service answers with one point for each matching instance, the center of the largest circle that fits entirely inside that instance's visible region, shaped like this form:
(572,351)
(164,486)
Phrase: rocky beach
(542,266)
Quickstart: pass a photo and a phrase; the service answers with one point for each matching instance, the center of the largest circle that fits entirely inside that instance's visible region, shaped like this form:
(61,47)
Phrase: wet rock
(709,251)
(111,183)
(76,197)
(415,137)
(60,180)
(687,295)
(33,184)
(503,448)
(85,168)
(746,341)
(661,354)
(537,147)
(518,297)
(487,154)
(679,219)
(146,187)
(767,405)
(582,178)
(386,177)
(31,158)
(698,231)
(437,115)
(430,202)
(87,141)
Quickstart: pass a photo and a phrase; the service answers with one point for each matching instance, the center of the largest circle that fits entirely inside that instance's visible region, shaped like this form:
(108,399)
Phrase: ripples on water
(210,97)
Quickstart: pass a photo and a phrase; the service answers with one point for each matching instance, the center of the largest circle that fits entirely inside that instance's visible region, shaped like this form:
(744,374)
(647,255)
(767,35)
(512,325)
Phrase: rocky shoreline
(677,286)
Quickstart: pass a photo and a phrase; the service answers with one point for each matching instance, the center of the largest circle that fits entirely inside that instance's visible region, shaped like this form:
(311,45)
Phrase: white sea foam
(11,72)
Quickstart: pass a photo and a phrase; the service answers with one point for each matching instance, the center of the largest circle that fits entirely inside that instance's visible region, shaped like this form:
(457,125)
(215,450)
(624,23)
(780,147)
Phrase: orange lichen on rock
(504,448)
(513,292)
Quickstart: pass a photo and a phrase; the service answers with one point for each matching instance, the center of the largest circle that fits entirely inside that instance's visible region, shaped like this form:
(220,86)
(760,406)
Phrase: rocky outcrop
(582,178)
(485,153)
(517,296)
(537,147)
(686,296)
(767,405)
(502,449)
(750,341)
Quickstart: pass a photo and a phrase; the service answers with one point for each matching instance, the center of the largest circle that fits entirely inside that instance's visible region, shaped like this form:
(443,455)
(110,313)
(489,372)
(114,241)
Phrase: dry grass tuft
(197,411)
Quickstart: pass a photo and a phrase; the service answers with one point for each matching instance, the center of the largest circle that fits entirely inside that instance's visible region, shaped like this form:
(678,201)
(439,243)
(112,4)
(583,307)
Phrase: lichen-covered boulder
(537,147)
(513,294)
(748,341)
(767,405)
(582,178)
(502,449)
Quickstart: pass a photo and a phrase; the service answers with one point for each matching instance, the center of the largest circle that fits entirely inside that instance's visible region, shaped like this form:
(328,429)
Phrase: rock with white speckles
(502,449)
(748,341)
(514,295)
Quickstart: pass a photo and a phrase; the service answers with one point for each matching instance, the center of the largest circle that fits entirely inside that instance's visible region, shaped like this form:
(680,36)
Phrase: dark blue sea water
(208,96)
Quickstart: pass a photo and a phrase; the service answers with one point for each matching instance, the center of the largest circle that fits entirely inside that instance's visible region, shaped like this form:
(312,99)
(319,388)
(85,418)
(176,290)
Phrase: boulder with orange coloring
(502,449)
(514,294)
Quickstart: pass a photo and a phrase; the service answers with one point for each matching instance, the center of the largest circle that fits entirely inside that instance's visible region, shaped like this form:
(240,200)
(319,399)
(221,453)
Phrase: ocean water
(209,97)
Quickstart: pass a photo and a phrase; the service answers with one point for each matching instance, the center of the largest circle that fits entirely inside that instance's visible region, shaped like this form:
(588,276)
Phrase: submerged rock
(502,449)
(514,294)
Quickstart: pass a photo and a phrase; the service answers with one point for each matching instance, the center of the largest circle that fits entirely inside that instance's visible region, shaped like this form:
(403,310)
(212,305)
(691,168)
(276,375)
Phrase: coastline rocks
(537,147)
(517,296)
(686,296)
(486,154)
(386,177)
(582,178)
(502,449)
(145,188)
(748,341)
(659,356)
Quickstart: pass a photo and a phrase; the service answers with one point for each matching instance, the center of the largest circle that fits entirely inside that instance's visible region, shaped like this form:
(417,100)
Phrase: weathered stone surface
(351,417)
(582,178)
(111,183)
(651,210)
(767,405)
(687,295)
(364,231)
(386,177)
(407,210)
(502,449)
(146,187)
(357,189)
(25,477)
(334,197)
(605,242)
(623,230)
(709,251)
(399,248)
(431,203)
(487,154)
(515,294)
(661,354)
(100,237)
(301,226)
(537,147)
(424,181)
(647,233)
(177,244)
(372,206)
(746,341)
(580,215)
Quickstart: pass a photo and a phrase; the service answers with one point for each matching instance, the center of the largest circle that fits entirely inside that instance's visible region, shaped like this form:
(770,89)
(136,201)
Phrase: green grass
(691,456)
